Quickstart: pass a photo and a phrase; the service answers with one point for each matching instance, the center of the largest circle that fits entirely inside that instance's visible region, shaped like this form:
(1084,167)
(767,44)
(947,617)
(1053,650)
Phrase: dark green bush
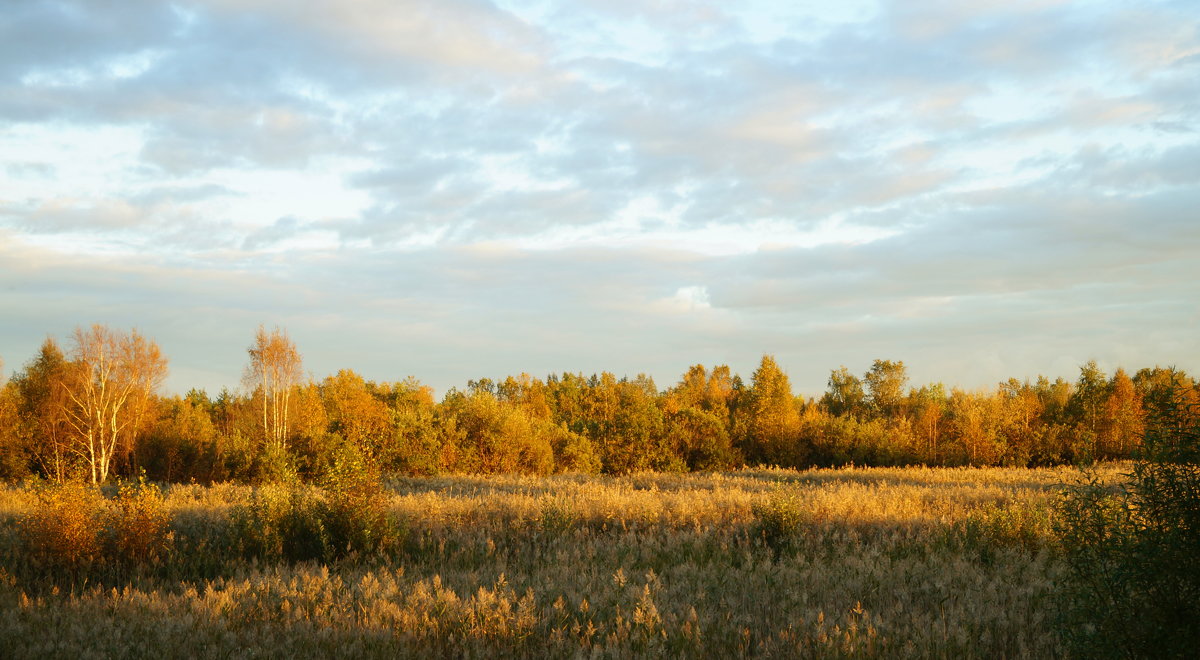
(281,522)
(1133,550)
(347,517)
(558,517)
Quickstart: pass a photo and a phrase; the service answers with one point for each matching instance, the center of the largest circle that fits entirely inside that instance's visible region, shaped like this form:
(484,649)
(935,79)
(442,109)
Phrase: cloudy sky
(463,188)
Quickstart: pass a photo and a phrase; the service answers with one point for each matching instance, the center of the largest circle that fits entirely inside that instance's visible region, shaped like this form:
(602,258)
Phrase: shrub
(348,517)
(281,522)
(74,532)
(415,447)
(557,516)
(1132,552)
(354,513)
(274,464)
(781,519)
(988,529)
(574,452)
(63,531)
(137,525)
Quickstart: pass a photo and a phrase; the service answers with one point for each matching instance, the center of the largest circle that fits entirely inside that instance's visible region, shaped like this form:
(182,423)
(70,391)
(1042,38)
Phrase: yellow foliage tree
(111,380)
(273,370)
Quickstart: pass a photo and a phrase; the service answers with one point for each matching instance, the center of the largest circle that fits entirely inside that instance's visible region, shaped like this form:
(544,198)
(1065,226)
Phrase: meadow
(850,562)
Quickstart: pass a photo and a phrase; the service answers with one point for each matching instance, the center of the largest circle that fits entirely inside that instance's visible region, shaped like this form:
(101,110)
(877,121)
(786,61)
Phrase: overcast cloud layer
(462,188)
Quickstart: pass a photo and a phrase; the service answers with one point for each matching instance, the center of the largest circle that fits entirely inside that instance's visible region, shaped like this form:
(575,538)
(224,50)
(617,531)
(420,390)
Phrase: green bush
(347,517)
(557,517)
(781,519)
(991,528)
(1132,551)
(355,511)
(574,452)
(275,465)
(281,522)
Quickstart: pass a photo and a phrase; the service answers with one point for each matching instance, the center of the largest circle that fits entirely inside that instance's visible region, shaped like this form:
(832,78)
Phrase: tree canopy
(95,411)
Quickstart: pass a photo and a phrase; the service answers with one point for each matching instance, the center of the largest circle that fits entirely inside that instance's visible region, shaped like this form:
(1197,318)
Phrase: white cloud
(509,186)
(690,299)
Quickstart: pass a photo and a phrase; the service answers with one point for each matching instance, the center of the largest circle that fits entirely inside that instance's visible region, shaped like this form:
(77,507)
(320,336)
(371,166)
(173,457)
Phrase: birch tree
(273,371)
(110,380)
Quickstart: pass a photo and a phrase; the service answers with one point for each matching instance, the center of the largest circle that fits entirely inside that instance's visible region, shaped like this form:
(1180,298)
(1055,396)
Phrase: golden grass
(867,563)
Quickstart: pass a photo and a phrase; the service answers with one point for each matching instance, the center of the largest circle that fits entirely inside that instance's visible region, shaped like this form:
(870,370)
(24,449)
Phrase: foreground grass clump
(825,563)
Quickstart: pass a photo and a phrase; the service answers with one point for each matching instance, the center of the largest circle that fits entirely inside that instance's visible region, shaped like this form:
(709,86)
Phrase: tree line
(93,411)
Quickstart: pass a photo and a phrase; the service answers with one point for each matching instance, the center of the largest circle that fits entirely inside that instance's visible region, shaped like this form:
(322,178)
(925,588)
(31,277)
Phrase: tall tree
(720,391)
(1123,419)
(355,412)
(768,423)
(273,370)
(1055,398)
(928,406)
(181,444)
(14,459)
(691,391)
(845,395)
(43,410)
(1020,411)
(112,377)
(1165,392)
(1087,401)
(886,381)
(973,426)
(697,419)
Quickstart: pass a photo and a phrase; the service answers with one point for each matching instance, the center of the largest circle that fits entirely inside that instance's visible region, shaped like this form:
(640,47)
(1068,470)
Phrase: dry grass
(825,563)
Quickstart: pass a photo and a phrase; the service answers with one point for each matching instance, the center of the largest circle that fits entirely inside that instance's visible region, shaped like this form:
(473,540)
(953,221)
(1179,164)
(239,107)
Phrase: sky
(458,189)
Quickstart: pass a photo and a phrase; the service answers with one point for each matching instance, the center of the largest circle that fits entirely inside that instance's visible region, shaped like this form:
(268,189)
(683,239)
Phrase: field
(826,563)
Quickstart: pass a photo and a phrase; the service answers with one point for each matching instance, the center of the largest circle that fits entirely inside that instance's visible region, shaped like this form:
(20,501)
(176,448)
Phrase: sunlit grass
(837,563)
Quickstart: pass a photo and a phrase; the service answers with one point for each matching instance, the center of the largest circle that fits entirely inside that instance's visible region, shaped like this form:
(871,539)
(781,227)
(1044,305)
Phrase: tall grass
(826,563)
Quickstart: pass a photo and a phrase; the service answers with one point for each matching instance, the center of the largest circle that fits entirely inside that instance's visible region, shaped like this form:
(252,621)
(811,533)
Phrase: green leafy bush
(781,519)
(281,522)
(1132,550)
(354,513)
(557,516)
(347,517)
(275,465)
(994,527)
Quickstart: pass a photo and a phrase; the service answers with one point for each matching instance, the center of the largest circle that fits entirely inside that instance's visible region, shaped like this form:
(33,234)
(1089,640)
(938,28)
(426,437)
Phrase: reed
(895,562)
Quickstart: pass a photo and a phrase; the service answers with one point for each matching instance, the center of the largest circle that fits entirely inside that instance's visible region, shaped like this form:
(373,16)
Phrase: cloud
(283,229)
(469,188)
(30,170)
(60,215)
